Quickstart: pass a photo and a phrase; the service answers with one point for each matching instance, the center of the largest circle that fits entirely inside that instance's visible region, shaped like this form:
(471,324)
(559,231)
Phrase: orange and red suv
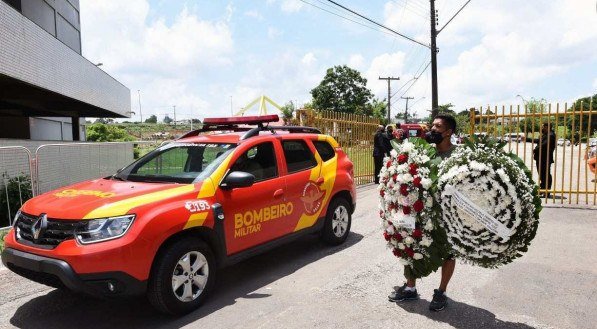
(166,223)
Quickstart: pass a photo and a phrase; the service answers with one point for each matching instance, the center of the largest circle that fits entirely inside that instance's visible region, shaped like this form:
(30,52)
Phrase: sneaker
(401,294)
(439,301)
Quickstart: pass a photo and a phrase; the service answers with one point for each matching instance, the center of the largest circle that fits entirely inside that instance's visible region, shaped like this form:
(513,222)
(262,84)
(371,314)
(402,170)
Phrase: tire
(192,262)
(337,222)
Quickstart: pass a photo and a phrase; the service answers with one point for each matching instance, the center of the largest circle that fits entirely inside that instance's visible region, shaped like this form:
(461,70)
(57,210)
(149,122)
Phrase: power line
(346,18)
(459,10)
(415,80)
(378,24)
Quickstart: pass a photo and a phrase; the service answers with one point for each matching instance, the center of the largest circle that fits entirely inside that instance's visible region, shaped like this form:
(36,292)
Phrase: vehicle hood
(101,198)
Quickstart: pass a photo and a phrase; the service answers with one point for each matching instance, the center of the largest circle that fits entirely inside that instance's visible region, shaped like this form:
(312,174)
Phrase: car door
(255,214)
(305,186)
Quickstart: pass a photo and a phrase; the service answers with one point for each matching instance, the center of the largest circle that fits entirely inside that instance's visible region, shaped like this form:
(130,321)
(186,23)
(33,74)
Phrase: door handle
(278,193)
(319,181)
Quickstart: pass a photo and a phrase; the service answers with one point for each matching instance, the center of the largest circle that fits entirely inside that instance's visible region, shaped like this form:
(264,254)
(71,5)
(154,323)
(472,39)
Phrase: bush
(16,191)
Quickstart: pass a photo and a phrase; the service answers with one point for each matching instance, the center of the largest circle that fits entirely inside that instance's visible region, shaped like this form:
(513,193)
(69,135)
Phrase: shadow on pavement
(62,309)
(461,315)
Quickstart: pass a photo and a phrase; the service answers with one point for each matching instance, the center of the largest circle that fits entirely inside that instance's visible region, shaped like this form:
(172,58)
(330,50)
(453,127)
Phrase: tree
(533,124)
(578,132)
(378,110)
(446,109)
(342,90)
(167,119)
(288,112)
(99,132)
(152,119)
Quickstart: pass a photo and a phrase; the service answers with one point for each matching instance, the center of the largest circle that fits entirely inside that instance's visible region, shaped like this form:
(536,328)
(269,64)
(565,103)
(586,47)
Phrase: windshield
(177,163)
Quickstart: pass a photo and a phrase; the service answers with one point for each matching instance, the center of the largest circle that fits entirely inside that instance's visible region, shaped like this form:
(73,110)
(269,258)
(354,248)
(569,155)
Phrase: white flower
(408,241)
(390,229)
(401,246)
(426,183)
(407,147)
(393,153)
(425,242)
(417,256)
(429,225)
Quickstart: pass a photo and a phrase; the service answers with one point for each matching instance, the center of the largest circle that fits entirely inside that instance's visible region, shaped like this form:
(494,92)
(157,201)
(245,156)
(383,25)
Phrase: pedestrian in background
(388,136)
(543,155)
(379,151)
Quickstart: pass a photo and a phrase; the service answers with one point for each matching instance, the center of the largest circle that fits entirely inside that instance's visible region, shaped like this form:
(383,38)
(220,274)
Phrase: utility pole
(406,111)
(389,93)
(434,96)
(174,106)
(140,113)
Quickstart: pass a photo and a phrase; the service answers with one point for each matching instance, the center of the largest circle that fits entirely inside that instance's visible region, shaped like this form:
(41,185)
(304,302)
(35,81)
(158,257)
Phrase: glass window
(325,150)
(177,163)
(259,160)
(298,155)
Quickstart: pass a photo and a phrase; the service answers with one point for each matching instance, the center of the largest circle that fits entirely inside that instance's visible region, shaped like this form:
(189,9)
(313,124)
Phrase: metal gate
(353,132)
(574,178)
(16,185)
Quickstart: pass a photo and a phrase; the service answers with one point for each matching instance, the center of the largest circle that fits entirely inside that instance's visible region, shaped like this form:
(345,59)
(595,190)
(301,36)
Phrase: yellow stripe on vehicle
(122,207)
(196,220)
(208,190)
(328,172)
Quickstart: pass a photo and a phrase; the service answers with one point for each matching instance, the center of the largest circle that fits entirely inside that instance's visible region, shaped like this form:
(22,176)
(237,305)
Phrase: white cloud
(254,13)
(157,57)
(309,59)
(356,61)
(384,65)
(273,32)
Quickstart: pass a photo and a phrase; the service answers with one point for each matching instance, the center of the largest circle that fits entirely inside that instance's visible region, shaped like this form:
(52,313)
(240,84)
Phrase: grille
(57,231)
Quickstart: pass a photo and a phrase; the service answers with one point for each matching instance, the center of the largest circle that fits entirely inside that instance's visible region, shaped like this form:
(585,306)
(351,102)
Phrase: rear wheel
(337,222)
(182,277)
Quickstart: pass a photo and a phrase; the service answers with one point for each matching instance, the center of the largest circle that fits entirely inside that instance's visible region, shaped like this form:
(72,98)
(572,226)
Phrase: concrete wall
(32,55)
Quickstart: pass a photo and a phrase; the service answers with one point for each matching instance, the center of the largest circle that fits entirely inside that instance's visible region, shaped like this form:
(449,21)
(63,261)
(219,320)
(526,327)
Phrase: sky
(212,57)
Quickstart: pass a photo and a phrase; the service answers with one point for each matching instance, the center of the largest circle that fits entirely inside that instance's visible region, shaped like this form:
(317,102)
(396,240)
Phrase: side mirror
(237,179)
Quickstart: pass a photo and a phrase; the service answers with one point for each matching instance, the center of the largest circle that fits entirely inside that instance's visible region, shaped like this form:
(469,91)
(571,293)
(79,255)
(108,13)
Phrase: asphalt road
(307,284)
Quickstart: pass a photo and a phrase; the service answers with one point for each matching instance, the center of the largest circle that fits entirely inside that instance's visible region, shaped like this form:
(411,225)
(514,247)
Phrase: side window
(298,155)
(172,161)
(259,160)
(325,150)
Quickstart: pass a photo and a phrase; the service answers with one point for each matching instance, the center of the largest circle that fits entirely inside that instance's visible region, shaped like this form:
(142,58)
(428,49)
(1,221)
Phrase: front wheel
(337,222)
(182,277)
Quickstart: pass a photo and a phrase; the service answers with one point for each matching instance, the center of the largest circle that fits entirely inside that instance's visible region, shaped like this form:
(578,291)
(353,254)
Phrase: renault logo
(39,226)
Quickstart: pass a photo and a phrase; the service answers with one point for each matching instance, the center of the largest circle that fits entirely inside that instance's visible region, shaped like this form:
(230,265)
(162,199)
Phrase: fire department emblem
(312,198)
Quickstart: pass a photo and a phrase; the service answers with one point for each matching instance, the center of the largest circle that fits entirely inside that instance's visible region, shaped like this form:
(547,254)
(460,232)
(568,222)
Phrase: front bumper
(58,273)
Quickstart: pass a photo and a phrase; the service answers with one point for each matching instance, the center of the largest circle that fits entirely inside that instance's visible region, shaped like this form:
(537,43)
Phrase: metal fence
(573,174)
(15,186)
(24,174)
(353,132)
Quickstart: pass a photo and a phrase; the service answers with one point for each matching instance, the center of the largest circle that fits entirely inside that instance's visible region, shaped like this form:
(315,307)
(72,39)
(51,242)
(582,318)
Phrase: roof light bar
(257,119)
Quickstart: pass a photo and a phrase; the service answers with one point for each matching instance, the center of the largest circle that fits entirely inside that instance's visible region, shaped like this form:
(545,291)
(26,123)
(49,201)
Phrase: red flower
(389,163)
(397,236)
(394,177)
(402,158)
(386,236)
(409,252)
(417,234)
(417,182)
(404,189)
(406,210)
(418,205)
(382,193)
(397,253)
(390,223)
(413,169)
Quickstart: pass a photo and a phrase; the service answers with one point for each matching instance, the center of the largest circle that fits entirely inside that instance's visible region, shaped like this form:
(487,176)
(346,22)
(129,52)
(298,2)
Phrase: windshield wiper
(116,177)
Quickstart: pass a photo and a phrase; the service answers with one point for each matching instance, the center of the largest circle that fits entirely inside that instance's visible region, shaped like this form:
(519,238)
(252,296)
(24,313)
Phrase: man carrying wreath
(441,132)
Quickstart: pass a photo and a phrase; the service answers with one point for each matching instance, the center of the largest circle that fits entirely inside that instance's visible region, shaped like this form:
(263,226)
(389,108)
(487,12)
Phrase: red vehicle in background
(164,225)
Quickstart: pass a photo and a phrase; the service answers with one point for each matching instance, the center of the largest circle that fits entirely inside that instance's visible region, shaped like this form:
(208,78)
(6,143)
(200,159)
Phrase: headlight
(97,230)
(17,215)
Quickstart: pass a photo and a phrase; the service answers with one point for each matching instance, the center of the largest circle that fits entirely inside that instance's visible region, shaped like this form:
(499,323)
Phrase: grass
(2,235)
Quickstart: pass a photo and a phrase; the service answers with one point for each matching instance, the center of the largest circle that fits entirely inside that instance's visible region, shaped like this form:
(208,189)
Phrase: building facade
(46,86)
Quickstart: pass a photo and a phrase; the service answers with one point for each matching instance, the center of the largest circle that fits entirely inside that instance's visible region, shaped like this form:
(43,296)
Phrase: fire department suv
(166,223)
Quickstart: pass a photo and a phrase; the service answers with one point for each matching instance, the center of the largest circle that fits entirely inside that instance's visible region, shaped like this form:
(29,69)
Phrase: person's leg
(541,174)
(377,160)
(549,177)
(447,271)
(407,291)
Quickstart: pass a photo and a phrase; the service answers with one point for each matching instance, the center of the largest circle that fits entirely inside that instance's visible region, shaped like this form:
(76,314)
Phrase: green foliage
(152,119)
(377,109)
(13,193)
(288,112)
(167,119)
(2,235)
(577,131)
(446,109)
(533,124)
(342,90)
(99,132)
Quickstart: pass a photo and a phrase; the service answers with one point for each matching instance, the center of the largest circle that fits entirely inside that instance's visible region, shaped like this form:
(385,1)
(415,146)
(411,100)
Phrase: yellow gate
(353,132)
(573,174)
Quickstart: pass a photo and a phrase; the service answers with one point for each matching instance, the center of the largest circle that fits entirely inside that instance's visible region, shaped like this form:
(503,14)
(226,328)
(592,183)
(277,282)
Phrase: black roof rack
(250,131)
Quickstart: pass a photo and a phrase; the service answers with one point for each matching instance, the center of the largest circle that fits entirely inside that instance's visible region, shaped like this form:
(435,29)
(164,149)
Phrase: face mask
(433,137)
